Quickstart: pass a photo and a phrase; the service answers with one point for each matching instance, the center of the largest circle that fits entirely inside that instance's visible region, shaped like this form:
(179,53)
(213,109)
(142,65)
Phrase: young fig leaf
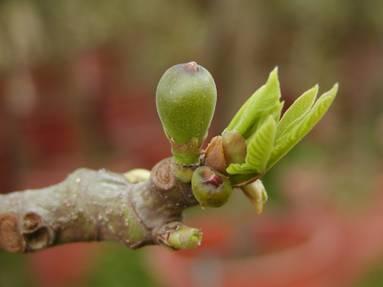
(269,136)
(275,112)
(260,146)
(297,110)
(258,107)
(296,134)
(240,168)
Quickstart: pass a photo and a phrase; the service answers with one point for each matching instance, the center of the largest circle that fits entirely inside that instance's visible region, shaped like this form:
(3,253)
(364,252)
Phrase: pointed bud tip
(336,87)
(191,67)
(275,70)
(332,93)
(273,76)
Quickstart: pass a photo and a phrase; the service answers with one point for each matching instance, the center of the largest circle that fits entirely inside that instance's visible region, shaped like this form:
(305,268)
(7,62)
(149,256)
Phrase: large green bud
(186,97)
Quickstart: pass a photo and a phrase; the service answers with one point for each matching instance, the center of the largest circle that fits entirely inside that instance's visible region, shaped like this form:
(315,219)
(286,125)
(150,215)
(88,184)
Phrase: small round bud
(186,96)
(234,147)
(210,188)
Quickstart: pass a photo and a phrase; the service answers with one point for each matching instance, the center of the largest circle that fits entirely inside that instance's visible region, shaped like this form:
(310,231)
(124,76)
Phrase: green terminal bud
(186,96)
(210,188)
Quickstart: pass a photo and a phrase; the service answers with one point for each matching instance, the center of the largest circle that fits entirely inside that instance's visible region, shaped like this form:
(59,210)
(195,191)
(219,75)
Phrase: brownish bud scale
(257,194)
(210,188)
(214,155)
(234,147)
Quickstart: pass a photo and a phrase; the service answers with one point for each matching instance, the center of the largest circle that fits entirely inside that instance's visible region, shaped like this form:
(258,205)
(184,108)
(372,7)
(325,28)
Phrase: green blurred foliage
(14,271)
(118,266)
(373,277)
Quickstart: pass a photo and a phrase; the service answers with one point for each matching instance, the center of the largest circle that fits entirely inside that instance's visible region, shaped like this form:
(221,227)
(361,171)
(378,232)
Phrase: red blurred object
(296,249)
(50,134)
(133,126)
(291,252)
(62,266)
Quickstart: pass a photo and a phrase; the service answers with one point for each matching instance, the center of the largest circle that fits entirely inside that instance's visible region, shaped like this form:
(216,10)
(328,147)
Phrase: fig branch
(143,207)
(136,209)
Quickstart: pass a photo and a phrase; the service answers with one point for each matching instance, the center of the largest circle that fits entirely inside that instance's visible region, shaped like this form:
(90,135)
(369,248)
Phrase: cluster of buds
(230,148)
(257,137)
(186,97)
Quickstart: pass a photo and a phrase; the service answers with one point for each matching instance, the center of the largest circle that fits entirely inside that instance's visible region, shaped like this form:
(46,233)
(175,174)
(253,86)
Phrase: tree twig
(99,205)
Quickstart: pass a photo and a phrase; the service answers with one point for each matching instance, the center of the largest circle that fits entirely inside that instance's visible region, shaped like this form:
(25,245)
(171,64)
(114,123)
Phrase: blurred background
(77,82)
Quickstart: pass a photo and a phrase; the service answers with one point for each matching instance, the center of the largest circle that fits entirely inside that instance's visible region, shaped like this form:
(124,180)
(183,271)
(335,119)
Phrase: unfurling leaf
(258,107)
(269,136)
(297,110)
(285,143)
(240,168)
(260,145)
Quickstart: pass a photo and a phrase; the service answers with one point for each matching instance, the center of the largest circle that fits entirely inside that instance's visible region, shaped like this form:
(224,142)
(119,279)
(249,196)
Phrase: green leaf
(259,149)
(258,106)
(297,111)
(240,168)
(261,145)
(275,112)
(296,134)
